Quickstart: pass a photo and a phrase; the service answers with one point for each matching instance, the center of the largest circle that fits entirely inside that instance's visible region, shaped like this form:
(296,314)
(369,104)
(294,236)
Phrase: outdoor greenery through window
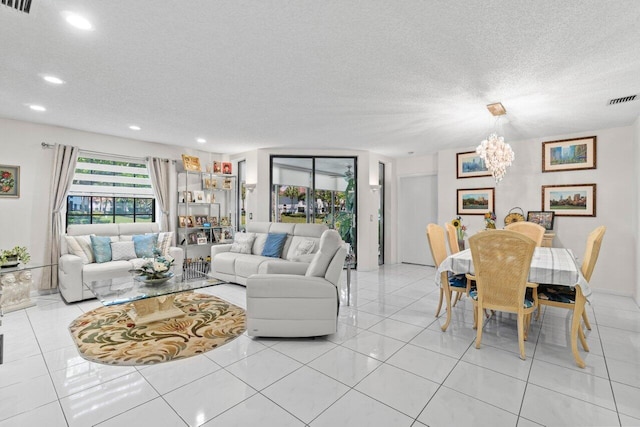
(110,191)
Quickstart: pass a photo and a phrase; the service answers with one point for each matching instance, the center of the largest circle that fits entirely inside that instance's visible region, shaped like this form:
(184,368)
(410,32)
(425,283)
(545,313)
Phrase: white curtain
(160,171)
(64,166)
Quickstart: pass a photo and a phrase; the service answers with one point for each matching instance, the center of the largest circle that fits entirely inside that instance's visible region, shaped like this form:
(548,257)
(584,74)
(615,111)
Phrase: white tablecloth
(556,266)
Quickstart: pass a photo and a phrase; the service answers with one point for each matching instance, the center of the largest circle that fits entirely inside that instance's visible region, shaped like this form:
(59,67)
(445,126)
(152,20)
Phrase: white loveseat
(72,271)
(236,267)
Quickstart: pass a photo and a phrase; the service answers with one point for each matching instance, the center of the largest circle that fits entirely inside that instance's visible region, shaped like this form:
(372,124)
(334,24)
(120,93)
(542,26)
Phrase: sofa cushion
(243,243)
(122,251)
(301,246)
(274,244)
(330,242)
(80,246)
(106,270)
(145,244)
(225,262)
(246,265)
(101,246)
(258,243)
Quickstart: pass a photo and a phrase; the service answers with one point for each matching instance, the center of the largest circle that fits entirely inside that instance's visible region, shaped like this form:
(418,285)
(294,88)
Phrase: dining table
(555,266)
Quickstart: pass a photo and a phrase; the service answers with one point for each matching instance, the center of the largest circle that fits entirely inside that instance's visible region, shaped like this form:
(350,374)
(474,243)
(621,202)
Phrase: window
(110,191)
(242,195)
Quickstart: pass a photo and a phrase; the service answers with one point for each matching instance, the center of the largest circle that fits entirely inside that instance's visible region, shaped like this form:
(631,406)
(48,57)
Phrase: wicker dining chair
(501,262)
(449,283)
(530,229)
(563,297)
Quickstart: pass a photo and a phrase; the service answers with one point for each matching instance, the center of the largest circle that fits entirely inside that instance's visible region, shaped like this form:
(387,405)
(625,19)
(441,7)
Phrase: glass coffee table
(151,302)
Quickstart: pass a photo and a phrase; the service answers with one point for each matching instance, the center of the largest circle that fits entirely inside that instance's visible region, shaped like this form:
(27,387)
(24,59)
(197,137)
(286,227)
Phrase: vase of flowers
(155,270)
(461,231)
(489,221)
(13,257)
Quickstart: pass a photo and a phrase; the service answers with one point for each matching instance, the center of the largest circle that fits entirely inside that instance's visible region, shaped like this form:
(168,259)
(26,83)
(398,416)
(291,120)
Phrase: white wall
(616,198)
(635,229)
(23,221)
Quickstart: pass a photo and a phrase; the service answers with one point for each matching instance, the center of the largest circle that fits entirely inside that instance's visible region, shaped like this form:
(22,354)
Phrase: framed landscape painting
(470,165)
(569,200)
(476,201)
(569,154)
(542,218)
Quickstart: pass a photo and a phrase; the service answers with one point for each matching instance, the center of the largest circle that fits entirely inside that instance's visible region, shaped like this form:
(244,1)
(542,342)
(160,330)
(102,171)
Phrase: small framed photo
(213,220)
(570,200)
(217,235)
(543,218)
(224,221)
(200,220)
(182,221)
(193,238)
(9,181)
(202,241)
(470,165)
(191,163)
(227,234)
(191,221)
(226,184)
(198,196)
(217,167)
(226,168)
(569,154)
(476,201)
(187,197)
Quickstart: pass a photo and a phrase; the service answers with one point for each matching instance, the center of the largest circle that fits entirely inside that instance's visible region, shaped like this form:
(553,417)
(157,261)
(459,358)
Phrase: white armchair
(289,305)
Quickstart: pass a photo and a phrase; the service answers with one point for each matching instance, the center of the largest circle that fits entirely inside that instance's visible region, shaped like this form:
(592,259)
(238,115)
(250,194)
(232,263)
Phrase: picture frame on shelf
(201,220)
(570,200)
(543,218)
(217,167)
(227,234)
(224,221)
(213,220)
(569,154)
(191,163)
(217,235)
(201,238)
(182,221)
(9,181)
(470,165)
(227,168)
(187,197)
(227,184)
(198,196)
(475,201)
(192,238)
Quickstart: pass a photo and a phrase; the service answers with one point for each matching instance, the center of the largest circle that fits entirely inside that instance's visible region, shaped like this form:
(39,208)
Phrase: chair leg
(575,326)
(440,302)
(475,315)
(585,318)
(457,298)
(480,323)
(583,339)
(521,336)
(447,296)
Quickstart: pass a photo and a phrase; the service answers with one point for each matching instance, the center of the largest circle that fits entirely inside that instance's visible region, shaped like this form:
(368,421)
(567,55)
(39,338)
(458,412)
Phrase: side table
(349,263)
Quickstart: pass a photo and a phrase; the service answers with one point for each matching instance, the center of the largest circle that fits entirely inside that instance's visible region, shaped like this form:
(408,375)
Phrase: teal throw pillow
(144,244)
(101,246)
(274,244)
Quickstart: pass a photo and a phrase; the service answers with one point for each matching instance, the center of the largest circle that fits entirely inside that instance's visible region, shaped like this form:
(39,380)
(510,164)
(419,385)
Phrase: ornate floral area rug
(108,335)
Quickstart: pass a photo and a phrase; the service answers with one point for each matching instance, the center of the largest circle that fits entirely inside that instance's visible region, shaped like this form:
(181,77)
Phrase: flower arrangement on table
(156,268)
(461,230)
(489,220)
(18,253)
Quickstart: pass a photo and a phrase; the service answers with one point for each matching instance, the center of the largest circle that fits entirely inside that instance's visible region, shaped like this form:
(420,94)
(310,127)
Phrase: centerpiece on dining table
(461,231)
(155,270)
(490,221)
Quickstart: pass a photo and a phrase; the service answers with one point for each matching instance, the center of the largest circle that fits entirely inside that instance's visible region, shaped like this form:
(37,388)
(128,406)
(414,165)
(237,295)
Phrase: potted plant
(12,257)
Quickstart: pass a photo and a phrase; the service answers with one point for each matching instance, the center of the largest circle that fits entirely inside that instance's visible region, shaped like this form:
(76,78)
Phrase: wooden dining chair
(452,238)
(501,262)
(564,297)
(530,229)
(448,283)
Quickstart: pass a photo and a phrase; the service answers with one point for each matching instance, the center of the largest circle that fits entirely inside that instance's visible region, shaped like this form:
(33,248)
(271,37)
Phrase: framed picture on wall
(570,200)
(9,181)
(476,201)
(470,165)
(543,218)
(569,154)
(191,163)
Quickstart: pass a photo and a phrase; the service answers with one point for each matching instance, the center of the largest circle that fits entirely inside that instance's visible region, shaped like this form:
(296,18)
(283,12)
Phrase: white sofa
(289,305)
(236,267)
(72,271)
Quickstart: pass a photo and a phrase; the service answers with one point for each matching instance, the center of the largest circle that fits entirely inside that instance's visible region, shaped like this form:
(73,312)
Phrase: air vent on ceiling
(623,99)
(22,5)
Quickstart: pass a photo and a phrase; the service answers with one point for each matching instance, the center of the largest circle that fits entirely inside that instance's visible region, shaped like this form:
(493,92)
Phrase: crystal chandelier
(496,154)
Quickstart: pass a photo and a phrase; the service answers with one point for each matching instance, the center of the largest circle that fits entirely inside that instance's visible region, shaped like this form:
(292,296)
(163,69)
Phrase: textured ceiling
(387,76)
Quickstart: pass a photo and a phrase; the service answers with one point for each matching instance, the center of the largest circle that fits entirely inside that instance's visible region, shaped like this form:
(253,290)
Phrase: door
(418,206)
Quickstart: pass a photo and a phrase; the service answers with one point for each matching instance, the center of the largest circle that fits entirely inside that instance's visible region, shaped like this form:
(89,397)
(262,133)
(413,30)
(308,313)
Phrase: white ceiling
(387,76)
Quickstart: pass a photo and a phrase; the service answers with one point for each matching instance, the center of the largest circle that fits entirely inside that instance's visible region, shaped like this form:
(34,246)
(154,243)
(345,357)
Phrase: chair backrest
(501,262)
(594,241)
(435,236)
(329,259)
(452,238)
(530,229)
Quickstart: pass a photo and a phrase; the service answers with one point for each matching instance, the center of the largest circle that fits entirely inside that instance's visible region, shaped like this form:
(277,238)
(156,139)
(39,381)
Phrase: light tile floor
(389,365)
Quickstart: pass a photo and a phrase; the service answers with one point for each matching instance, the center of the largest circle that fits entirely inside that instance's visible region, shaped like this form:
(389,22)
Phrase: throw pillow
(101,248)
(122,251)
(304,247)
(80,246)
(274,244)
(164,242)
(243,242)
(144,244)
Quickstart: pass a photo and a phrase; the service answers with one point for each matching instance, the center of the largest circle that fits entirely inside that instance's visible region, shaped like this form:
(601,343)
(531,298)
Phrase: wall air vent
(623,99)
(21,5)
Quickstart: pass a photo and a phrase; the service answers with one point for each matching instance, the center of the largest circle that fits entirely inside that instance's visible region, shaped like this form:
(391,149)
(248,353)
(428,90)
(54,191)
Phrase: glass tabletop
(121,290)
(23,267)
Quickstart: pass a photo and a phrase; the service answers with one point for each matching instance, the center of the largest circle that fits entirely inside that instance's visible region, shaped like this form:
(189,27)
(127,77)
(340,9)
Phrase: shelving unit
(206,212)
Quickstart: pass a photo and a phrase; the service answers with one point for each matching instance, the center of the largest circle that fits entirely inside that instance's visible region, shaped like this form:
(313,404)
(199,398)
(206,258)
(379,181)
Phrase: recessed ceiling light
(201,140)
(37,108)
(134,127)
(53,79)
(77,21)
